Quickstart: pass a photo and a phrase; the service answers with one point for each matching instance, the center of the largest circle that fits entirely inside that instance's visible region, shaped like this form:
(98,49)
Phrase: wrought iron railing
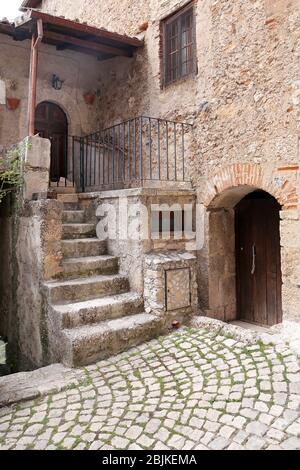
(131,153)
(64,153)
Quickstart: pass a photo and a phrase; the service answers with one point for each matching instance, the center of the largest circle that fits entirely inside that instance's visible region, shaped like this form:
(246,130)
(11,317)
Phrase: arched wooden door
(258,258)
(51,123)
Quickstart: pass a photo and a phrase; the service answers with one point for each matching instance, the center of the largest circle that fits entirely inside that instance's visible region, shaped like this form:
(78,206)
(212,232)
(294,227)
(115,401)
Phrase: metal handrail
(136,150)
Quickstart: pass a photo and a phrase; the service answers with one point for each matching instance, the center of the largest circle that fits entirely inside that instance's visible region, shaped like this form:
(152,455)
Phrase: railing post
(175,152)
(82,169)
(150,147)
(124,169)
(129,163)
(141,148)
(158,147)
(73,160)
(66,159)
(167,145)
(113,155)
(112,148)
(183,162)
(134,146)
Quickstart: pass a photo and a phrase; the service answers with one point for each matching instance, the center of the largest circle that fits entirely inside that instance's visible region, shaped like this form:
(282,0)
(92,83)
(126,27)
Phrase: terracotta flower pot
(12,103)
(89,98)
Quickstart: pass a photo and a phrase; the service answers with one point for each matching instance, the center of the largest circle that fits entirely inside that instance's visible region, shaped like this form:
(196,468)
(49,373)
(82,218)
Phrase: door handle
(253,259)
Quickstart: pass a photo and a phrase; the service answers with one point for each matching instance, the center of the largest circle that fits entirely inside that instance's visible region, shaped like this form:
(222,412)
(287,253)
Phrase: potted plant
(89,97)
(12,103)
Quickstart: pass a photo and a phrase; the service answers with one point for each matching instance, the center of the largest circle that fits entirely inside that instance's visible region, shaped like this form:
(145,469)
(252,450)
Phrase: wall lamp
(57,83)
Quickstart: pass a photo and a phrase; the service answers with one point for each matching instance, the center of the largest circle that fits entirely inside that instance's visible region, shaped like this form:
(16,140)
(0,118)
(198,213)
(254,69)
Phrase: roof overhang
(67,34)
(30,4)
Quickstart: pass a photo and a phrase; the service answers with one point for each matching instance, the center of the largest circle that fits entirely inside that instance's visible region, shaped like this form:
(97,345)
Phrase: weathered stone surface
(160,395)
(30,385)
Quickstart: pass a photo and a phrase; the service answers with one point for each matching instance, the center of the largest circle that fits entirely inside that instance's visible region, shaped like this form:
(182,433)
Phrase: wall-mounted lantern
(57,83)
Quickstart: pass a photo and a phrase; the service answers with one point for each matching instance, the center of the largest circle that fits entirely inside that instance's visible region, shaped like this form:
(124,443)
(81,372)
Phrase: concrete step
(63,189)
(78,248)
(78,231)
(92,287)
(104,264)
(71,217)
(88,344)
(71,206)
(97,310)
(68,198)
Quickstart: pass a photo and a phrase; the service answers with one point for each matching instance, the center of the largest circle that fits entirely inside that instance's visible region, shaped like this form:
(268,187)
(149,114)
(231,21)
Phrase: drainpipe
(35,41)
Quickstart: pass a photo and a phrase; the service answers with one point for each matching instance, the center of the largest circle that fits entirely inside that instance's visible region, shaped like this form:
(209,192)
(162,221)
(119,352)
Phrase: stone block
(37,153)
(290,230)
(2,92)
(35,181)
(178,288)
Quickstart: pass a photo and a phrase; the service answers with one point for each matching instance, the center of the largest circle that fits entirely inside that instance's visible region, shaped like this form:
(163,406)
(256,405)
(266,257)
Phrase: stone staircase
(91,305)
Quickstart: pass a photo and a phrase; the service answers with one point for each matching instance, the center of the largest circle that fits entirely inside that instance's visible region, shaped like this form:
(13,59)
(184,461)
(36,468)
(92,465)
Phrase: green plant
(11,170)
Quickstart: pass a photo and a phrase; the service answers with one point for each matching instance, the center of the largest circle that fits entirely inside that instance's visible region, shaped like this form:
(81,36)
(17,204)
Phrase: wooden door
(258,261)
(51,123)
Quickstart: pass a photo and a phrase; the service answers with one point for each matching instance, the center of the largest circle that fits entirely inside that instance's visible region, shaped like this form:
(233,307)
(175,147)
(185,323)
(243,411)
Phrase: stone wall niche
(170,288)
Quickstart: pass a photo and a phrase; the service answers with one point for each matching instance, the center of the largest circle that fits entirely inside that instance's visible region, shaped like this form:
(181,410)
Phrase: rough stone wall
(30,235)
(131,214)
(8,278)
(69,66)
(30,255)
(243,102)
(170,288)
(122,17)
(244,99)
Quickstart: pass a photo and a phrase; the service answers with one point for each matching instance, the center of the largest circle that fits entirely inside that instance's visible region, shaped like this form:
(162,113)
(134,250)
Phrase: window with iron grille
(179,45)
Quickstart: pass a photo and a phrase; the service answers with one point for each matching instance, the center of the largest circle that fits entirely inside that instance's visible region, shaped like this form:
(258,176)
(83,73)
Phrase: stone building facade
(243,102)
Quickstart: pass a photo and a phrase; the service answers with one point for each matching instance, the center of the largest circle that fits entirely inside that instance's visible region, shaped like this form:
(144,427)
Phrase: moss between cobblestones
(121,393)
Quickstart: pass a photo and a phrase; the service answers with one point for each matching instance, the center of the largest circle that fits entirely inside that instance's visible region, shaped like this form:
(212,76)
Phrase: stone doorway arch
(217,261)
(244,256)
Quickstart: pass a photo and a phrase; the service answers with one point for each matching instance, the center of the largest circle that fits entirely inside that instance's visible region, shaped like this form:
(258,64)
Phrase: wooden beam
(94,46)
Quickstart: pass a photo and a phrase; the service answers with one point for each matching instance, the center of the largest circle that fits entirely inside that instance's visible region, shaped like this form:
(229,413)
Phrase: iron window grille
(178,32)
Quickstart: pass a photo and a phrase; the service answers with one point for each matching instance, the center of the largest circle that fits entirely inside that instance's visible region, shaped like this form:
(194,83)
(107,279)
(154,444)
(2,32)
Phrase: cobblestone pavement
(194,389)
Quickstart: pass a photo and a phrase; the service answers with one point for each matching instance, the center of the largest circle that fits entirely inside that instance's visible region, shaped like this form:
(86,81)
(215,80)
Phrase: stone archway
(223,192)
(233,182)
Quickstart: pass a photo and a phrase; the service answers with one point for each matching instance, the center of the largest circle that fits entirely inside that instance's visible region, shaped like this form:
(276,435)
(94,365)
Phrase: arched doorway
(258,261)
(243,266)
(51,123)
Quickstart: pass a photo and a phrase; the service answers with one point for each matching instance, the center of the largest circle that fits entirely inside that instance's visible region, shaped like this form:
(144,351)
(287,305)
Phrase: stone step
(70,216)
(78,248)
(104,264)
(93,287)
(78,231)
(63,189)
(88,344)
(67,198)
(97,310)
(71,206)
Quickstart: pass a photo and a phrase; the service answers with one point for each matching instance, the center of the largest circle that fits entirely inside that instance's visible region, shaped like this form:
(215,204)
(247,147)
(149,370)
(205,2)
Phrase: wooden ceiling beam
(64,40)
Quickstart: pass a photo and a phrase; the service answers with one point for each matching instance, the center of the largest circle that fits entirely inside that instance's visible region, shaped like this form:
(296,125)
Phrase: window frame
(177,16)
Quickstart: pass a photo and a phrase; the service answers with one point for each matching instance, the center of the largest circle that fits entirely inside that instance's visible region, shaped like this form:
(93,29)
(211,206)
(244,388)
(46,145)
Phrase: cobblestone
(189,390)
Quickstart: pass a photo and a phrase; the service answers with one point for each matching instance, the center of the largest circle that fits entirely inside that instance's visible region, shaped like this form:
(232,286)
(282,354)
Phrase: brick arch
(239,179)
